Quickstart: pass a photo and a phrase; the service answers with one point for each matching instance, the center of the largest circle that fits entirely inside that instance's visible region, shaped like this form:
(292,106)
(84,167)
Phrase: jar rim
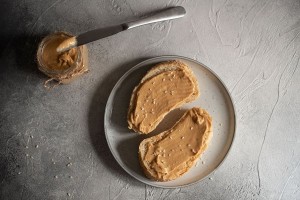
(43,67)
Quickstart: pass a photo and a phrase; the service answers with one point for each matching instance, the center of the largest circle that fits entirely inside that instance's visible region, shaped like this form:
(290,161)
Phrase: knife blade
(90,36)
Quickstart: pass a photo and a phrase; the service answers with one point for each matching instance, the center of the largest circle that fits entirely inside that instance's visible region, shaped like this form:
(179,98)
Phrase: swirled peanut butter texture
(58,61)
(172,153)
(159,94)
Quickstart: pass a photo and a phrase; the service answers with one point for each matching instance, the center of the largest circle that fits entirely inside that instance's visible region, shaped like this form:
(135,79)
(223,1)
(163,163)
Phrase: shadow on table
(22,48)
(25,49)
(96,119)
(19,65)
(19,76)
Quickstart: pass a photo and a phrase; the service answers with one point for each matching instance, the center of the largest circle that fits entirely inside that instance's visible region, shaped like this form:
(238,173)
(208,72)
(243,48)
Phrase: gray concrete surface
(52,144)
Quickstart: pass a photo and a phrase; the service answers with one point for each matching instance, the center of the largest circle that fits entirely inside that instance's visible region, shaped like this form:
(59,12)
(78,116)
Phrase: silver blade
(97,34)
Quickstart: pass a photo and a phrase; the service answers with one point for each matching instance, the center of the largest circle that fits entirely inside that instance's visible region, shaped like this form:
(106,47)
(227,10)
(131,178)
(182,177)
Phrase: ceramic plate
(214,97)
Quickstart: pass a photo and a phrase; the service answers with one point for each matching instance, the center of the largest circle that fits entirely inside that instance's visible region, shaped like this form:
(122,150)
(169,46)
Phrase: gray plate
(214,97)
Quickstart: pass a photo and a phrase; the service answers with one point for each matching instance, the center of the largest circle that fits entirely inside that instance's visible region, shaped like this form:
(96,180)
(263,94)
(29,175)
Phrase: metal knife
(93,35)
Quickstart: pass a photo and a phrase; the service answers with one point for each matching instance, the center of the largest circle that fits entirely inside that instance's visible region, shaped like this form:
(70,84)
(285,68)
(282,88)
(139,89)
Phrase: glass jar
(62,74)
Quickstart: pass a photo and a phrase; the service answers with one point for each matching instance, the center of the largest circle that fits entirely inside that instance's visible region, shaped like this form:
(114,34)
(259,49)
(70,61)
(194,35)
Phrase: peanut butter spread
(157,96)
(58,61)
(67,44)
(173,152)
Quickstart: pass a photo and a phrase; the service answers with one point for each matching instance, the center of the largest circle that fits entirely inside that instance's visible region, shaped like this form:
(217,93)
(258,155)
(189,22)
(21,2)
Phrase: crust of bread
(205,137)
(171,65)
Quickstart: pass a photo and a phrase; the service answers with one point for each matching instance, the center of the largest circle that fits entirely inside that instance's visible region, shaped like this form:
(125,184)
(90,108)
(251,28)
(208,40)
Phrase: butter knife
(93,35)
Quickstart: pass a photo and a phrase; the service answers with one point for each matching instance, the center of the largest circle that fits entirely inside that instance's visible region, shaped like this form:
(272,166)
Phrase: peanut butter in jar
(62,67)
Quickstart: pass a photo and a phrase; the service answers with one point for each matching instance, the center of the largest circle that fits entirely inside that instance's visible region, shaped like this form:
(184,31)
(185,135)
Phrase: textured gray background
(252,45)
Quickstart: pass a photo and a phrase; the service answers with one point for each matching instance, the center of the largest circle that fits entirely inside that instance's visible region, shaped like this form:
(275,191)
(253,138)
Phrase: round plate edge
(170,57)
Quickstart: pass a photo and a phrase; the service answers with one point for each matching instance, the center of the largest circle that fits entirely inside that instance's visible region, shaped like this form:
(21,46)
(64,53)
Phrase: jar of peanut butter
(61,67)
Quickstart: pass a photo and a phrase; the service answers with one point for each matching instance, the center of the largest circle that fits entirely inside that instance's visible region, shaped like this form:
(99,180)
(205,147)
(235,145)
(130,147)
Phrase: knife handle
(170,13)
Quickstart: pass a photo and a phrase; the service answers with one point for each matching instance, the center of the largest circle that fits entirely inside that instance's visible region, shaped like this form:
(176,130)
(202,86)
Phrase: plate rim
(140,64)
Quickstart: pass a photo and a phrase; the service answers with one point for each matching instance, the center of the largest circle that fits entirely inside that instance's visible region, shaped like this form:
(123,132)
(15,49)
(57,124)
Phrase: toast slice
(167,86)
(172,153)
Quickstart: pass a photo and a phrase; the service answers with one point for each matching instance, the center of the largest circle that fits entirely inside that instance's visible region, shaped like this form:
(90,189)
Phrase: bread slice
(167,86)
(172,153)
